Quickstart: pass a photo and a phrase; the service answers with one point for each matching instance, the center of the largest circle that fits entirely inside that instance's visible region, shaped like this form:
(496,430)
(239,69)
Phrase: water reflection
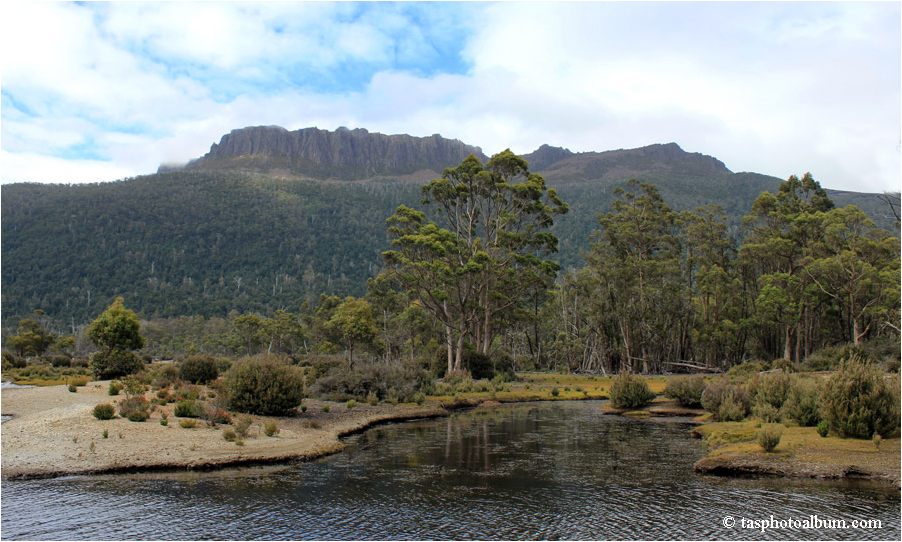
(549,471)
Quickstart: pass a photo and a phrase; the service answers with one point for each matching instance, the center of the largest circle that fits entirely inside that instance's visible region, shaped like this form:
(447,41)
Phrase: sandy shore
(53,432)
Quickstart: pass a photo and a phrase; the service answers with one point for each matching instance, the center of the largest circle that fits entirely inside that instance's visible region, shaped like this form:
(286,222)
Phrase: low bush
(198,369)
(165,375)
(115,364)
(271,428)
(459,381)
(114,388)
(188,409)
(419,398)
(823,428)
(766,412)
(740,374)
(138,416)
(131,405)
(188,424)
(12,361)
(243,425)
(213,415)
(829,358)
(264,386)
(687,390)
(769,436)
(350,404)
(59,360)
(384,381)
(630,391)
(104,411)
(555,392)
(229,435)
(769,388)
(715,394)
(857,401)
(801,405)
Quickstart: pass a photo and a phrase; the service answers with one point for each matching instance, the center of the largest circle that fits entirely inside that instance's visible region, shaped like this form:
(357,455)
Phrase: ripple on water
(557,471)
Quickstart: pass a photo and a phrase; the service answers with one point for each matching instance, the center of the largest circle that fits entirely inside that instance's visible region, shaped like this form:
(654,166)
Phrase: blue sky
(103,91)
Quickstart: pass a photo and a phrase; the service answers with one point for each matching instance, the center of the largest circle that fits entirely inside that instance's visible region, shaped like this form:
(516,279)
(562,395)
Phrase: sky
(95,92)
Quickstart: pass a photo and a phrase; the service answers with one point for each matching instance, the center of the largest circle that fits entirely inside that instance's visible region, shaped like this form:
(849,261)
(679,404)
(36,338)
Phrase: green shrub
(264,386)
(188,424)
(131,405)
(59,360)
(106,433)
(166,375)
(271,428)
(114,388)
(325,408)
(138,416)
(12,361)
(188,409)
(767,412)
(857,401)
(769,436)
(419,398)
(740,374)
(630,391)
(229,435)
(350,404)
(555,392)
(115,364)
(687,390)
(72,388)
(371,398)
(823,428)
(460,381)
(343,382)
(731,408)
(829,358)
(243,425)
(801,405)
(104,411)
(198,369)
(769,388)
(213,415)
(715,395)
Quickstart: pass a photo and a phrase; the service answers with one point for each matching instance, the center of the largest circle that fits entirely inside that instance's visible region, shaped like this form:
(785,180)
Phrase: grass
(47,375)
(802,444)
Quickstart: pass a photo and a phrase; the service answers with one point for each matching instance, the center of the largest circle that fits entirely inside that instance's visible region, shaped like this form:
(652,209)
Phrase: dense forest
(465,268)
(207,243)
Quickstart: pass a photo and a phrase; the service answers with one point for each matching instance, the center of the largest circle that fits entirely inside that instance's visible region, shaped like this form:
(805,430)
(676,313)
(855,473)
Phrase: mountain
(343,154)
(270,218)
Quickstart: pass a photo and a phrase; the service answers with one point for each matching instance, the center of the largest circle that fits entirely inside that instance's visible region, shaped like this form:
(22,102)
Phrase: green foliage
(104,411)
(802,403)
(198,369)
(188,424)
(243,425)
(188,409)
(264,386)
(115,388)
(770,389)
(352,325)
(137,416)
(117,328)
(134,408)
(31,340)
(350,404)
(719,392)
(229,435)
(12,361)
(769,436)
(687,390)
(857,401)
(343,382)
(823,428)
(742,373)
(271,428)
(555,392)
(630,391)
(114,364)
(830,357)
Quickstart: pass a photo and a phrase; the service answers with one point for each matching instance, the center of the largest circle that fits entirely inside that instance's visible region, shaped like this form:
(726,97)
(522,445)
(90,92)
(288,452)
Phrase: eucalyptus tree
(484,251)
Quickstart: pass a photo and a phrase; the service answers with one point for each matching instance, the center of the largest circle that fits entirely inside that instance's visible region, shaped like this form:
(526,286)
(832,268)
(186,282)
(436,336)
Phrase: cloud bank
(96,92)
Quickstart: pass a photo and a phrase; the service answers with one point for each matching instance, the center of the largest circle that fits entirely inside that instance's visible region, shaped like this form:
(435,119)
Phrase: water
(539,471)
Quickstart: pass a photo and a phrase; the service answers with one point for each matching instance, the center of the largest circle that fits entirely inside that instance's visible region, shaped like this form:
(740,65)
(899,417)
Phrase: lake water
(531,471)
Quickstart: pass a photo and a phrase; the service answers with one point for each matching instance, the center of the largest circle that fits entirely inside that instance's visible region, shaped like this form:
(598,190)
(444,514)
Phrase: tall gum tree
(483,253)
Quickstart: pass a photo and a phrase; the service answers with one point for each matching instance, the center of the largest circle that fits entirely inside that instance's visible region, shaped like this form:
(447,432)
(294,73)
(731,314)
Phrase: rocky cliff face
(342,154)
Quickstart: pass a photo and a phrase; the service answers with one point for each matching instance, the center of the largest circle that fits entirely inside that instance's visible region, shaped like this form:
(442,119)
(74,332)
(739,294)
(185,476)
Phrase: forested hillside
(209,241)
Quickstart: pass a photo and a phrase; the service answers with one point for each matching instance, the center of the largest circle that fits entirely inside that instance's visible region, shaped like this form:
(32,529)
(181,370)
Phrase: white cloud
(778,88)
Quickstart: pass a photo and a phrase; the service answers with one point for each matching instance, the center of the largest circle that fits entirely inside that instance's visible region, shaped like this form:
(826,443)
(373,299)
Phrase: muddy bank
(53,432)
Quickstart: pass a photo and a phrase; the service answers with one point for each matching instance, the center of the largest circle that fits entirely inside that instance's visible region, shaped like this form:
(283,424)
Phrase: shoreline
(53,433)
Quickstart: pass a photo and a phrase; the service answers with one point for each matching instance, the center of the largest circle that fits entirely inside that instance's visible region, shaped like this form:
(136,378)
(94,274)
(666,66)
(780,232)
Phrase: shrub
(104,411)
(243,425)
(198,369)
(264,386)
(769,436)
(59,360)
(783,365)
(271,428)
(716,393)
(114,388)
(801,405)
(555,392)
(857,402)
(350,404)
(188,424)
(731,408)
(72,388)
(213,415)
(188,409)
(166,375)
(131,405)
(343,383)
(767,412)
(740,374)
(229,435)
(115,364)
(325,408)
(823,428)
(830,357)
(630,391)
(12,360)
(687,390)
(419,398)
(106,433)
(769,388)
(460,381)
(371,398)
(138,416)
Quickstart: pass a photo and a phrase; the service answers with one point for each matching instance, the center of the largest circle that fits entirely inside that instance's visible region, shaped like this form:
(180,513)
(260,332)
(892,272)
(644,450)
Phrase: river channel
(527,471)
